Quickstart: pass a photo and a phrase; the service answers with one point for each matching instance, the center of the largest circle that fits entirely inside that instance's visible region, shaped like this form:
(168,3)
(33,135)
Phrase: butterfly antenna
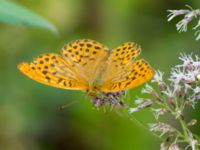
(67,105)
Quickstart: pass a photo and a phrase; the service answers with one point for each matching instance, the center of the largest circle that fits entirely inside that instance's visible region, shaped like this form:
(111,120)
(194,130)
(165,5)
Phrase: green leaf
(15,14)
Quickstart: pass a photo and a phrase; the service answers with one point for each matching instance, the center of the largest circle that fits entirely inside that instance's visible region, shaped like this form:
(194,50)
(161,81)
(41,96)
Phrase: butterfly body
(89,65)
(93,89)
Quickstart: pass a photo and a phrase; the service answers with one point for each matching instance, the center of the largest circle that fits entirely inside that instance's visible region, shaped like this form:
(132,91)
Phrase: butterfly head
(93,89)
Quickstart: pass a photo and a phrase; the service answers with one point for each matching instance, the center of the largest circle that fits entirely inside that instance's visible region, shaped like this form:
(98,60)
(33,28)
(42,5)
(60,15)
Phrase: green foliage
(15,14)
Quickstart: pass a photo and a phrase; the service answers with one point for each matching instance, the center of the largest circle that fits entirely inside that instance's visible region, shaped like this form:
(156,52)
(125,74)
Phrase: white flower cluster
(188,71)
(189,15)
(171,98)
(161,128)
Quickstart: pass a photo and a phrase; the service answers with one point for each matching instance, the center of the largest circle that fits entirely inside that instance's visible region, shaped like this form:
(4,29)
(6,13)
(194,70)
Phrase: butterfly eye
(95,87)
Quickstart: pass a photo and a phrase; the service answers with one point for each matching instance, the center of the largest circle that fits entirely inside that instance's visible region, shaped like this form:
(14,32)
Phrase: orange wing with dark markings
(84,64)
(123,72)
(51,69)
(79,64)
(87,56)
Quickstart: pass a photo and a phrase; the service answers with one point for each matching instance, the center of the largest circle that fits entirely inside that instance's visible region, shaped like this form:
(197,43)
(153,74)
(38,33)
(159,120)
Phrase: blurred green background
(29,114)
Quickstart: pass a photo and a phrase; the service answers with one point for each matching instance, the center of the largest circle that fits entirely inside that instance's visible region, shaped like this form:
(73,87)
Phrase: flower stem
(184,128)
(187,137)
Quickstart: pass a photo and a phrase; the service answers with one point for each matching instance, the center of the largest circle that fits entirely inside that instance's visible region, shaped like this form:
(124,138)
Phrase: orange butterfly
(89,65)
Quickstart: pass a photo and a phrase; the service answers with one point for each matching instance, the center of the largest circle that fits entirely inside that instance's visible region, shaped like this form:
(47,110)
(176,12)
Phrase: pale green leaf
(15,14)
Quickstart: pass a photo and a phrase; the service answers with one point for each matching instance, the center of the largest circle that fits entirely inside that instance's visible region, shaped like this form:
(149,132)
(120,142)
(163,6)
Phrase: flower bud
(192,122)
(198,77)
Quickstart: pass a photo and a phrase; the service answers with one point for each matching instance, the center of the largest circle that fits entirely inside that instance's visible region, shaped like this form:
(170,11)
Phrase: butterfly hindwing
(131,76)
(51,69)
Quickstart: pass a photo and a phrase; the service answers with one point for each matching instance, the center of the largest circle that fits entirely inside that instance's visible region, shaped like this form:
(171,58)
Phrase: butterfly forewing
(124,54)
(51,69)
(122,72)
(87,56)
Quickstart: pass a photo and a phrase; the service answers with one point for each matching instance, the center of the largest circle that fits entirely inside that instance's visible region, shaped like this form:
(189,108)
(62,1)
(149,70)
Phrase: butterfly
(89,65)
